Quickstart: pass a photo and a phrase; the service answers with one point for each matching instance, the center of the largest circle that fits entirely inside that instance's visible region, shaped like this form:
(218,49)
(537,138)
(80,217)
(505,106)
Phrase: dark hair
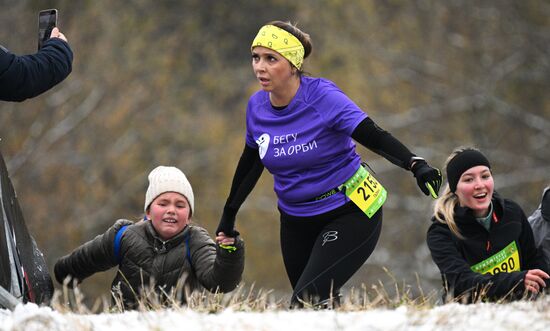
(303,37)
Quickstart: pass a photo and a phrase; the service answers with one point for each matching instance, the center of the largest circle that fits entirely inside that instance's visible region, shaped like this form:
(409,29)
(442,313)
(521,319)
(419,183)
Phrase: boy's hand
(222,239)
(225,242)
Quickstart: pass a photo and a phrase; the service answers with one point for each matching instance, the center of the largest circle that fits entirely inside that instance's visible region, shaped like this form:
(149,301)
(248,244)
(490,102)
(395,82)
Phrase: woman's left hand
(428,178)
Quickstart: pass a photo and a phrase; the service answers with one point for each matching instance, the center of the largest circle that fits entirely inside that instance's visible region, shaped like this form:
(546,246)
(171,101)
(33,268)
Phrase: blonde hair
(444,210)
(444,205)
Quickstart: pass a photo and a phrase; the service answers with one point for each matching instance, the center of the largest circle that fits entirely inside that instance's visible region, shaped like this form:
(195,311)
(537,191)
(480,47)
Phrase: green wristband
(229,248)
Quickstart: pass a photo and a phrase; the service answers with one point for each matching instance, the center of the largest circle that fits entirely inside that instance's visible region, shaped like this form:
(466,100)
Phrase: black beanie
(461,162)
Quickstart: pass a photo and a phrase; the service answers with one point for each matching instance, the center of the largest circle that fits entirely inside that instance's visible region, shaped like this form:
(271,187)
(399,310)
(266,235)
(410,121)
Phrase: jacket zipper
(495,220)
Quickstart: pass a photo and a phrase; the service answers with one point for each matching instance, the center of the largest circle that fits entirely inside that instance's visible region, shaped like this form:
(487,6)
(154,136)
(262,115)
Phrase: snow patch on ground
(524,315)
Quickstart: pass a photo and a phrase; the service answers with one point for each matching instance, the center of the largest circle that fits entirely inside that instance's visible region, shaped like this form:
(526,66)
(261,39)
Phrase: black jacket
(455,256)
(187,262)
(540,223)
(26,76)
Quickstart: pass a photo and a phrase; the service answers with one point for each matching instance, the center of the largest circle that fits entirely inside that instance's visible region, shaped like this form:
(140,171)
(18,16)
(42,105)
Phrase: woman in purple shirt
(300,128)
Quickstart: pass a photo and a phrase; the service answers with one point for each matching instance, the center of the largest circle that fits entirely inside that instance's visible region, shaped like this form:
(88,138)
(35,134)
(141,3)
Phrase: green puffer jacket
(190,261)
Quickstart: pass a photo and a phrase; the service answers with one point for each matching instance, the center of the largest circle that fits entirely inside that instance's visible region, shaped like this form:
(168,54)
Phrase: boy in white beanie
(163,252)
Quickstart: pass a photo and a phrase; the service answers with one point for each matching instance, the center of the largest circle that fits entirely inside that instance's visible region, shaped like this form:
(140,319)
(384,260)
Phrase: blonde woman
(481,242)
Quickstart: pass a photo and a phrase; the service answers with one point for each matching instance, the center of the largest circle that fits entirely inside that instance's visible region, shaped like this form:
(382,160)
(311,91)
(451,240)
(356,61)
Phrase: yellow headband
(282,42)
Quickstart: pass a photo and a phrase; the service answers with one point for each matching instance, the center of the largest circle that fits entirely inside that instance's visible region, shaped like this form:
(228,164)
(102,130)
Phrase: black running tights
(322,252)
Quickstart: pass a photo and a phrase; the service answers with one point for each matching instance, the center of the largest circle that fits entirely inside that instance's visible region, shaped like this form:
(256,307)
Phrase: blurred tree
(167,82)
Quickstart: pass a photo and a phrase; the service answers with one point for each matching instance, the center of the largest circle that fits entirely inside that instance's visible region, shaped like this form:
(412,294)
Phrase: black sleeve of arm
(246,176)
(94,256)
(532,255)
(370,135)
(26,76)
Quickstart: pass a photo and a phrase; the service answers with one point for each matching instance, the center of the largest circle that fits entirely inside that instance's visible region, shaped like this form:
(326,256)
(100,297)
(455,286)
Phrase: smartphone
(47,20)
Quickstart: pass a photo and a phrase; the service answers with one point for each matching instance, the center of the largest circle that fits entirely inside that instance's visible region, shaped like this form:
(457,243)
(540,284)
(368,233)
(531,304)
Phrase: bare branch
(420,114)
(534,121)
(37,149)
(523,176)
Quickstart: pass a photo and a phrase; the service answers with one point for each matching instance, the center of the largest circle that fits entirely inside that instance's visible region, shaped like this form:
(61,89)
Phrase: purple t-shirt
(307,146)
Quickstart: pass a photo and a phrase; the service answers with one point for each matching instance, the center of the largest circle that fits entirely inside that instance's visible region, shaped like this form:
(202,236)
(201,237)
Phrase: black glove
(227,223)
(428,179)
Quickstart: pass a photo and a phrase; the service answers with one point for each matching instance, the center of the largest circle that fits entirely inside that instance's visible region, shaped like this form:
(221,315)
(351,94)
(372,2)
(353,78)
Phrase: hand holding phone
(47,20)
(57,34)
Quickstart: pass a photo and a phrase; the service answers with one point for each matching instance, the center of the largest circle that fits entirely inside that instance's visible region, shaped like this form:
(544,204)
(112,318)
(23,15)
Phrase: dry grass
(249,299)
(244,298)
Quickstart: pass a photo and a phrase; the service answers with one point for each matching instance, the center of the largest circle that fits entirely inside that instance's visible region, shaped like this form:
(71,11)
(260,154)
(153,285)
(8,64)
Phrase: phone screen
(47,20)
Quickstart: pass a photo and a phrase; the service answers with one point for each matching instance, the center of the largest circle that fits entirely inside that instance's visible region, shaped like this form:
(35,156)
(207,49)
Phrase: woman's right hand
(534,280)
(227,226)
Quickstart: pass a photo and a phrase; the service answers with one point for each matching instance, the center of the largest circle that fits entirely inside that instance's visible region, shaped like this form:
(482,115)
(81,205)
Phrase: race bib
(507,260)
(365,191)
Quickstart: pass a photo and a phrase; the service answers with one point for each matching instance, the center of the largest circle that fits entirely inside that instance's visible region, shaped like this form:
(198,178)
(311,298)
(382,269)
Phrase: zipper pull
(488,247)
(161,249)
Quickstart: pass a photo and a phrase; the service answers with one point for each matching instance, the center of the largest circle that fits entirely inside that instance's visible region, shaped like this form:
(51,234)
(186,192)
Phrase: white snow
(517,316)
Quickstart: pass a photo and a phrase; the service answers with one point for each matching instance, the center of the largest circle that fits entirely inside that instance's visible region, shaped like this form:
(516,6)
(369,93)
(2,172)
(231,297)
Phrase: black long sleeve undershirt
(246,176)
(370,135)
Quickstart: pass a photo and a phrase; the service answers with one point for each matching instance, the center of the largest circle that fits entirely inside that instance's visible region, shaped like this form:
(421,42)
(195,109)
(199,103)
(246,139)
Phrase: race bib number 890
(507,260)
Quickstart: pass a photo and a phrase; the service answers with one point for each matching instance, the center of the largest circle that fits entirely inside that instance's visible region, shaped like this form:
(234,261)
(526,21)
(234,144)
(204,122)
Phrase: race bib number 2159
(365,191)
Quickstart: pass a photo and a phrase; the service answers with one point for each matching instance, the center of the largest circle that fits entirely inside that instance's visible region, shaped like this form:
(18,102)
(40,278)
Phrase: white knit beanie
(168,179)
